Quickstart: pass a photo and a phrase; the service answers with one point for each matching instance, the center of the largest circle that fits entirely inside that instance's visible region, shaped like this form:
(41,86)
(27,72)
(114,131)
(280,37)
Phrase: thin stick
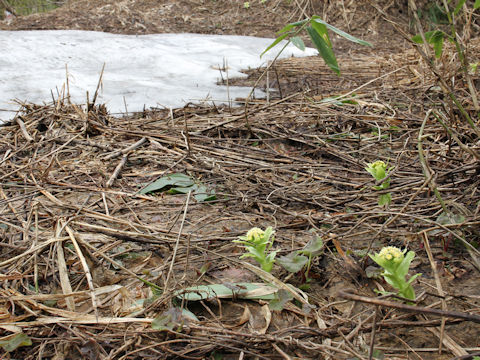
(63,271)
(439,285)
(409,308)
(25,133)
(119,167)
(98,86)
(225,65)
(88,274)
(372,336)
(126,150)
(426,169)
(178,240)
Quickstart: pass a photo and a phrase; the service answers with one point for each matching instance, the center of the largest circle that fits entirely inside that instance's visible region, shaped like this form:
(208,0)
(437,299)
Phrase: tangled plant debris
(157,274)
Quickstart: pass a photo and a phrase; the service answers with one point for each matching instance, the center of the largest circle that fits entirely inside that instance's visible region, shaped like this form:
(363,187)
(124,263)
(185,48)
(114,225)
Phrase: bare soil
(72,218)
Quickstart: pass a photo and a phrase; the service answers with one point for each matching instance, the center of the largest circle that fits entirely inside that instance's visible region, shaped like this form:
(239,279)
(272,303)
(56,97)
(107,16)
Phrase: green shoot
(395,266)
(257,243)
(379,171)
(300,260)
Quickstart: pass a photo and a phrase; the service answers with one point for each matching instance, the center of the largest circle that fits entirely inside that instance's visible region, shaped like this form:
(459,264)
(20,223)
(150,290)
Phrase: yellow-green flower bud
(391,253)
(255,234)
(377,169)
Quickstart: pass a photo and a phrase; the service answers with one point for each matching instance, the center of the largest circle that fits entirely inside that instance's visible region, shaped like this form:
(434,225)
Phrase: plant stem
(461,56)
(426,171)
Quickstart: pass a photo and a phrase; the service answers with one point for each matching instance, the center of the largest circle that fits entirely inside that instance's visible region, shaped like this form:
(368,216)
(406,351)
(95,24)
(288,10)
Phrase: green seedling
(395,264)
(378,169)
(301,260)
(258,243)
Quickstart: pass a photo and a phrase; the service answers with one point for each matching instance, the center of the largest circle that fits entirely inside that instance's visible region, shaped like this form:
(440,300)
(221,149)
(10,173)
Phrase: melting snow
(167,70)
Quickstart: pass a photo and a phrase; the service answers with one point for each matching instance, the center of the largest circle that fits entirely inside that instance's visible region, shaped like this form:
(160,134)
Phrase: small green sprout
(473,67)
(378,169)
(246,4)
(395,264)
(257,243)
(301,260)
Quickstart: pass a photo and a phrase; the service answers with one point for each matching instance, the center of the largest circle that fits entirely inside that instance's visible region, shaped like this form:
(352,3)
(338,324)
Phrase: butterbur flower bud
(377,169)
(391,253)
(255,234)
(390,257)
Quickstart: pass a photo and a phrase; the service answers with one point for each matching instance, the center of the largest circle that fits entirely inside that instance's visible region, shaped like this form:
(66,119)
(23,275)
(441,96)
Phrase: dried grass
(82,252)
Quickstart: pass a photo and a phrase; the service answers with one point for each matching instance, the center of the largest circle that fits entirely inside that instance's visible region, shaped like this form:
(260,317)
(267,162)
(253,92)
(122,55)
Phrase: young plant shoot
(257,243)
(379,171)
(395,264)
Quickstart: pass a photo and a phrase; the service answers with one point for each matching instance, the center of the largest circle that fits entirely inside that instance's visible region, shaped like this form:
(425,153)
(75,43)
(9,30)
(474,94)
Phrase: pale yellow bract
(254,234)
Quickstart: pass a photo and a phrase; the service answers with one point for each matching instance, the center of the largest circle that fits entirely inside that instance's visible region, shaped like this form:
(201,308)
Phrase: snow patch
(166,70)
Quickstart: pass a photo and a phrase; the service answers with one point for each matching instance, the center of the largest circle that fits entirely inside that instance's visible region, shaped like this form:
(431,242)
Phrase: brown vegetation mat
(87,262)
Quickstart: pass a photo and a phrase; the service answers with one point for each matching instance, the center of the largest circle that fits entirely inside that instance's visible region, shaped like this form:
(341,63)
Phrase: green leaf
(281,298)
(385,199)
(180,184)
(412,279)
(322,30)
(275,42)
(293,262)
(402,269)
(476,5)
(202,194)
(290,26)
(226,291)
(437,41)
(408,292)
(298,42)
(394,281)
(267,265)
(13,342)
(450,218)
(459,7)
(313,246)
(187,314)
(340,32)
(428,37)
(268,233)
(175,180)
(168,320)
(435,38)
(324,50)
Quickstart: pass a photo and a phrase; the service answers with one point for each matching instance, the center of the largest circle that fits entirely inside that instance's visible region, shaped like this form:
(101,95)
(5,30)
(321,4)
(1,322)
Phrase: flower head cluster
(255,235)
(391,253)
